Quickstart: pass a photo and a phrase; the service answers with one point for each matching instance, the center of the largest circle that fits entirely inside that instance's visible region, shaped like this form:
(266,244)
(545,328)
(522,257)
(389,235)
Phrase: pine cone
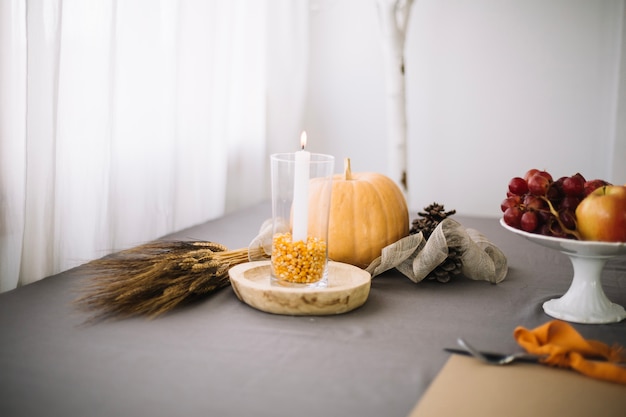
(431,217)
(449,268)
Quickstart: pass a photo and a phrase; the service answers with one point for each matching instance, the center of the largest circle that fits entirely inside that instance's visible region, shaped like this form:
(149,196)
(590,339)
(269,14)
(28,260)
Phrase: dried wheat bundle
(154,278)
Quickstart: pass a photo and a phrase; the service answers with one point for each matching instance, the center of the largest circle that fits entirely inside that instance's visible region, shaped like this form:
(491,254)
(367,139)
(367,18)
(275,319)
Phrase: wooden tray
(348,288)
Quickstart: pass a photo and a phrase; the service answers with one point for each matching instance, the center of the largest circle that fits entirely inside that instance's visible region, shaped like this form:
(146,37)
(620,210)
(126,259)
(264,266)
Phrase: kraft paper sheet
(467,387)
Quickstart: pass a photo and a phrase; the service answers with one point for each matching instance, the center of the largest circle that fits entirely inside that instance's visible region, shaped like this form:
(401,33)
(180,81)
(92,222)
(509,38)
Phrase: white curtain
(124,120)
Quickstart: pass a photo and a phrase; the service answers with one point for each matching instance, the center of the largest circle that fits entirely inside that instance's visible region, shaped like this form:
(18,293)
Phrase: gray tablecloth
(220,357)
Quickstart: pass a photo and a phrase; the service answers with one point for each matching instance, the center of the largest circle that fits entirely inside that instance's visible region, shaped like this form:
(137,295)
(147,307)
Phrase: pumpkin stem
(347,171)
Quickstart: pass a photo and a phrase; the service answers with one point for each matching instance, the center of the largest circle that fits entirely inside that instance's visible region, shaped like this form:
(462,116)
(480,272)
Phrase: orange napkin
(566,348)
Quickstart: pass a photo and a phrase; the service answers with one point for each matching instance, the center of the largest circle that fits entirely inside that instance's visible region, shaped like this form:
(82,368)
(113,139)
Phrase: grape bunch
(536,203)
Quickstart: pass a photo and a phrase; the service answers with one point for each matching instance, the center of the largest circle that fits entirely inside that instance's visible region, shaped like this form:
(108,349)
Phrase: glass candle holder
(301,192)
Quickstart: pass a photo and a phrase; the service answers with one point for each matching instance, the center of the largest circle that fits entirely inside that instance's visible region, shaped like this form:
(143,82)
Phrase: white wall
(494,88)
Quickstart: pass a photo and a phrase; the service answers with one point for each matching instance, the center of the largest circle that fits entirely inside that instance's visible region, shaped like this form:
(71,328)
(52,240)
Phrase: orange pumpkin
(368,211)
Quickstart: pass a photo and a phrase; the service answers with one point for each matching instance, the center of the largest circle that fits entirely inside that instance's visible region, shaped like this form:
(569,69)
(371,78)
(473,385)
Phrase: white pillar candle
(301,192)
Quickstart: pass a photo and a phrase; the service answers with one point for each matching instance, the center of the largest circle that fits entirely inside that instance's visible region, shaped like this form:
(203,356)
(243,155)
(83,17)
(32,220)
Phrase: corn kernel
(298,262)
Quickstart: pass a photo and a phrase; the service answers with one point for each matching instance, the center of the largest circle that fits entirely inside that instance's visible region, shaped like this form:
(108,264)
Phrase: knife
(527,357)
(492,355)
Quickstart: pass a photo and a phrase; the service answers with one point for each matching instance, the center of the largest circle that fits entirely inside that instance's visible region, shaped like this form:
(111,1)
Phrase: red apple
(602,214)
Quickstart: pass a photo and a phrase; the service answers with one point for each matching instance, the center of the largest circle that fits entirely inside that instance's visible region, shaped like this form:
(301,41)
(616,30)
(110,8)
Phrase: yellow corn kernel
(298,262)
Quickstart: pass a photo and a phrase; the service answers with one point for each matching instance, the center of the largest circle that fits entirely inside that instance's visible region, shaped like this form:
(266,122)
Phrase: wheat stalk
(152,279)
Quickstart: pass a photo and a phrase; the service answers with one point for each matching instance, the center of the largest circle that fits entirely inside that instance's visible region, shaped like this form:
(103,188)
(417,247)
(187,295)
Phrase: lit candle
(301,192)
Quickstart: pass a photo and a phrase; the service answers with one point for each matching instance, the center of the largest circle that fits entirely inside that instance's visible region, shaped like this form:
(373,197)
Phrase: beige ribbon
(415,257)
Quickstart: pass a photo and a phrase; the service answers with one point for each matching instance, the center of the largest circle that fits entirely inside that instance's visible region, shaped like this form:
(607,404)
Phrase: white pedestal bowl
(585,300)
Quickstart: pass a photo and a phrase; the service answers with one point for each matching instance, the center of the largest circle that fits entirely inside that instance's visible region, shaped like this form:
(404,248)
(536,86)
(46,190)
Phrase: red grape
(591,186)
(537,204)
(555,193)
(568,218)
(513,201)
(556,230)
(545,217)
(538,185)
(546,175)
(518,186)
(530,173)
(570,202)
(544,229)
(574,186)
(529,221)
(513,216)
(533,202)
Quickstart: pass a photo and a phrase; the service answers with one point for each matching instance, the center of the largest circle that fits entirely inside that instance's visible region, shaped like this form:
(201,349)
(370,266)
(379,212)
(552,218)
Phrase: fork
(495,359)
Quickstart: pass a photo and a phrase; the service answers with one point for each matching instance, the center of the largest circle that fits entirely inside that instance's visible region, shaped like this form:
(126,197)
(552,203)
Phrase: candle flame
(303,140)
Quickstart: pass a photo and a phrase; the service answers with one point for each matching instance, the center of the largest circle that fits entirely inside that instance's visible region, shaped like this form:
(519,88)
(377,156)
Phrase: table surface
(220,357)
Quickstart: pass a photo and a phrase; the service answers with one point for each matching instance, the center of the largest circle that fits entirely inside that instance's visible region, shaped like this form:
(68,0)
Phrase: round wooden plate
(348,288)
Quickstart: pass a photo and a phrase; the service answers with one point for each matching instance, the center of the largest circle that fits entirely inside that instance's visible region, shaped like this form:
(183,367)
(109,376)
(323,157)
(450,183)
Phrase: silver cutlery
(493,358)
